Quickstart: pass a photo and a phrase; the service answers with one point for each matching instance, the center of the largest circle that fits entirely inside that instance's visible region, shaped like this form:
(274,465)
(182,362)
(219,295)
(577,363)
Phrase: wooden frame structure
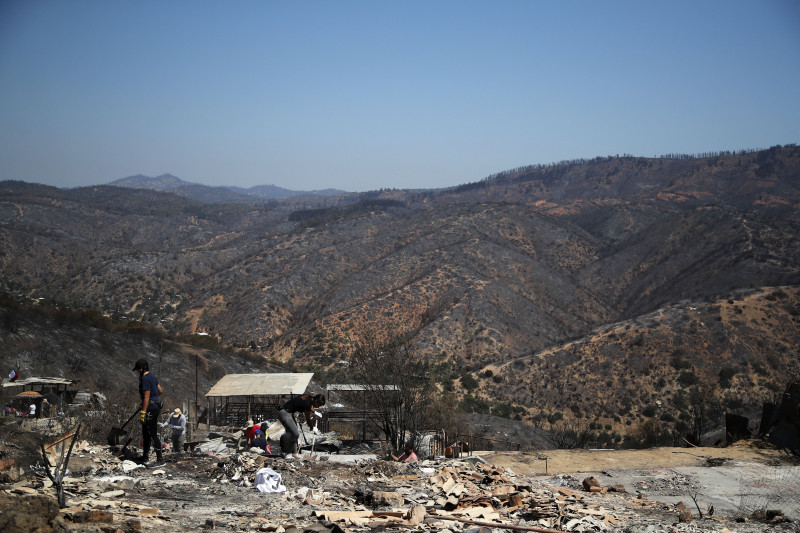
(236,398)
(357,416)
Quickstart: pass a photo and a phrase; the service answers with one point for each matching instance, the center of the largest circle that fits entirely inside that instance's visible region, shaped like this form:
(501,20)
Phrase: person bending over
(177,423)
(299,404)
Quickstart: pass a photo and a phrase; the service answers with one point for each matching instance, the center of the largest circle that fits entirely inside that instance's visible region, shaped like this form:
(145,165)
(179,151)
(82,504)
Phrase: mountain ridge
(479,275)
(214,194)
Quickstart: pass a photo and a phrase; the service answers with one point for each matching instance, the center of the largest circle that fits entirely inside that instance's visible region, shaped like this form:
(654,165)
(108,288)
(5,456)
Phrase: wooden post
(187,411)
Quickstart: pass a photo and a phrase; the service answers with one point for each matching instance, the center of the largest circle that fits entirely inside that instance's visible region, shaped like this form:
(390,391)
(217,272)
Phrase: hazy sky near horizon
(363,95)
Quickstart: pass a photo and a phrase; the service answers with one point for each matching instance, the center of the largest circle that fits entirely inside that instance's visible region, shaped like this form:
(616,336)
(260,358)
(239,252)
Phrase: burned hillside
(530,293)
(516,263)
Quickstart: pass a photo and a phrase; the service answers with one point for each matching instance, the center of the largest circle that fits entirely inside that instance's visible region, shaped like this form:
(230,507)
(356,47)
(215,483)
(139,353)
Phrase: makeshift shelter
(59,392)
(238,397)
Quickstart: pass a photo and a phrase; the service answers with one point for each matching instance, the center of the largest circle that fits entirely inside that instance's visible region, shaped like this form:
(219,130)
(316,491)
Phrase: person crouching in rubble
(408,455)
(177,423)
(150,392)
(260,441)
(305,404)
(250,431)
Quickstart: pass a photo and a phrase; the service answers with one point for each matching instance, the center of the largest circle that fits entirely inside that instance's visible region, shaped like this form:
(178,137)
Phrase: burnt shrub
(726,373)
(679,363)
(687,378)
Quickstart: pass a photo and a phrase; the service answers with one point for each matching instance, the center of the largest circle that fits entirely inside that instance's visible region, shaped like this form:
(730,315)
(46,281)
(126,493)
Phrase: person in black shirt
(299,404)
(150,392)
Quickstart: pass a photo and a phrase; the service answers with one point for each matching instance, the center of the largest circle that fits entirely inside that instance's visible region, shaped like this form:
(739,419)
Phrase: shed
(238,397)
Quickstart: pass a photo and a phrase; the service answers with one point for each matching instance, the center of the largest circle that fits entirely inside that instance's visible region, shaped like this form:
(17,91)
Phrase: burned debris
(226,487)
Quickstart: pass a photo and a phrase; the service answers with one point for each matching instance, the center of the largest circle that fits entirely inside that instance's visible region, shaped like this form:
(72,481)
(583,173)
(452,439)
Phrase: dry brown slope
(739,352)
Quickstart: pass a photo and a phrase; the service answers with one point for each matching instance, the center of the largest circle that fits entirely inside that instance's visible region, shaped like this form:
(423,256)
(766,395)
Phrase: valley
(578,293)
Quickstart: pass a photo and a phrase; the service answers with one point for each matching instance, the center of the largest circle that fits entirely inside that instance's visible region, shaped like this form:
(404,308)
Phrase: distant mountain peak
(205,193)
(164,182)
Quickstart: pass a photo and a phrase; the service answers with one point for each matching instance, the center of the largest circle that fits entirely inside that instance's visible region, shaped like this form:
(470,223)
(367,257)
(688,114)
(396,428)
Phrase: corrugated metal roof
(356,387)
(38,381)
(261,384)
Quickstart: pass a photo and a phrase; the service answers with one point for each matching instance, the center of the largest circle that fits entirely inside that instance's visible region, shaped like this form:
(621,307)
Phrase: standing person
(32,410)
(408,455)
(150,393)
(177,423)
(299,404)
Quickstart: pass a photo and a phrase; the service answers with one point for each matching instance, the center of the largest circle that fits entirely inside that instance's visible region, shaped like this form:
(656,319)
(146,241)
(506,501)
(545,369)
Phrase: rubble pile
(667,481)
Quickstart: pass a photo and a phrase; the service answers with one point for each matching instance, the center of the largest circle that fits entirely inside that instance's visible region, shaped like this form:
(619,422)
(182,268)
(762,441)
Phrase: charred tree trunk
(57,476)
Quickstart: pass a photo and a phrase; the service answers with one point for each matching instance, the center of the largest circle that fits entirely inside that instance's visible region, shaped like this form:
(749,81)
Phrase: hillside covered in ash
(504,276)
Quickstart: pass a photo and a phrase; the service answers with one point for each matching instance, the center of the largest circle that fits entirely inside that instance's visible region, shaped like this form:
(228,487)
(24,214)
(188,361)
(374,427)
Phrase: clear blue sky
(362,95)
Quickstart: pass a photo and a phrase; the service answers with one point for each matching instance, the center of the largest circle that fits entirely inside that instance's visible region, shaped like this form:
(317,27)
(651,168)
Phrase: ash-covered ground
(549,490)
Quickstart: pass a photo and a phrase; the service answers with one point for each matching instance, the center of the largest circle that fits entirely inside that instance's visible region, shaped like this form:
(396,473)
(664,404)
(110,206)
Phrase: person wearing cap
(299,404)
(260,441)
(250,431)
(177,423)
(150,393)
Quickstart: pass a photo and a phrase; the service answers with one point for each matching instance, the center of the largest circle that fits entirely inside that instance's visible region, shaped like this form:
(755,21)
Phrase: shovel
(116,434)
(313,443)
(314,439)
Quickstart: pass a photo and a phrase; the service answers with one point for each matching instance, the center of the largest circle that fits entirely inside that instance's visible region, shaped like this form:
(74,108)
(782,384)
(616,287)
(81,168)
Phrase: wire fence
(776,492)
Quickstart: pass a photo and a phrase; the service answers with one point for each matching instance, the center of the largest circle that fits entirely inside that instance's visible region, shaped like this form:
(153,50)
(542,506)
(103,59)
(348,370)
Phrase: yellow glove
(142,414)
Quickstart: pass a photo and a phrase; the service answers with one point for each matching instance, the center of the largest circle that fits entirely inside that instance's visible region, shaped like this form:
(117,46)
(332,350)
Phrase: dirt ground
(195,492)
(743,479)
(552,462)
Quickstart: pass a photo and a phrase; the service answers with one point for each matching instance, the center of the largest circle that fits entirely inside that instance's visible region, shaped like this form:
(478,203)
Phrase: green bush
(471,404)
(502,409)
(448,385)
(469,382)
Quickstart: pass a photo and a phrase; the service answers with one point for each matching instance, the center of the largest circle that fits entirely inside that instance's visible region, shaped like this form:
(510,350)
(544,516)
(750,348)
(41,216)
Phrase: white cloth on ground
(268,480)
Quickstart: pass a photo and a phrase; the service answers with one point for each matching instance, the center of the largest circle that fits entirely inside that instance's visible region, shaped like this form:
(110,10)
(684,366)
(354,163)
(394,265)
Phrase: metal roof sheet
(261,384)
(355,387)
(38,381)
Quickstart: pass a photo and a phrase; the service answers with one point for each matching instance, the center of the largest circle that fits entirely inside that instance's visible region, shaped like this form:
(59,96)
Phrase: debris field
(244,491)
